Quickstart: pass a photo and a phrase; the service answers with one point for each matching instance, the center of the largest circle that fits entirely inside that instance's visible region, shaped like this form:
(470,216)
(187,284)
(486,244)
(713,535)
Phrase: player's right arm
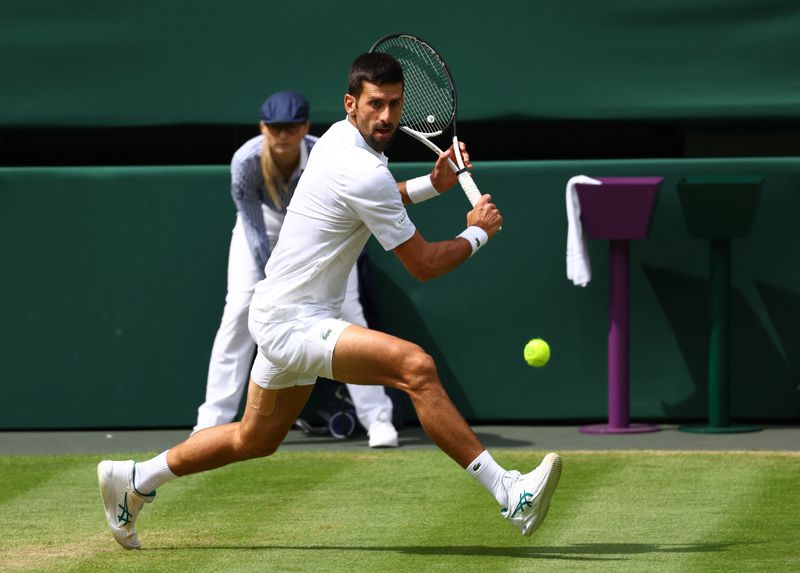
(425,260)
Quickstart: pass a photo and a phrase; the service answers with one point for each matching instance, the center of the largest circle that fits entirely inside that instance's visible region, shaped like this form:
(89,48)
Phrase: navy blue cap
(285,107)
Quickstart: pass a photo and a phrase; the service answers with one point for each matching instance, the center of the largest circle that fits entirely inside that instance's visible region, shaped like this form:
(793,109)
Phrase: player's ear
(350,105)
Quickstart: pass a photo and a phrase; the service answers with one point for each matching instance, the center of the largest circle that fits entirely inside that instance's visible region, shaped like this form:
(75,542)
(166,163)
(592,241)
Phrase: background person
(264,174)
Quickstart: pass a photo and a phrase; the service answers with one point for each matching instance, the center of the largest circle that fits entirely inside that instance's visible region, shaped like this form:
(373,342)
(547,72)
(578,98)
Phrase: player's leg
(373,407)
(275,398)
(268,416)
(233,349)
(364,356)
(126,486)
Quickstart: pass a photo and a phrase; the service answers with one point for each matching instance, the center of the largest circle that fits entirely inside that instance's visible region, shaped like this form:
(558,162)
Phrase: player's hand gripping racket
(429,96)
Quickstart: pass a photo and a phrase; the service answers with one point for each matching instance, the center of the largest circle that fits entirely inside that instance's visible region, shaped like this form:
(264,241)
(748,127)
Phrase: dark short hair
(373,67)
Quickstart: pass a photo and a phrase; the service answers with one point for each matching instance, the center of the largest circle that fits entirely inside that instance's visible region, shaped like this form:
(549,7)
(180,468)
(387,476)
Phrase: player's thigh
(270,413)
(364,356)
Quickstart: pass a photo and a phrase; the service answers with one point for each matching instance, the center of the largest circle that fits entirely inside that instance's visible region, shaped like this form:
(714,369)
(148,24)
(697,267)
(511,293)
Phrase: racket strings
(429,104)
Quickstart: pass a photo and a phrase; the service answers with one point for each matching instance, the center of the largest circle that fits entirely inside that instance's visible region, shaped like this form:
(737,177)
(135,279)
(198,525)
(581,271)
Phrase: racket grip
(470,189)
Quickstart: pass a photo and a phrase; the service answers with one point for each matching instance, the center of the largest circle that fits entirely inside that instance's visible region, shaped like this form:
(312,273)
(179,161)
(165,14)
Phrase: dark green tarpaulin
(101,63)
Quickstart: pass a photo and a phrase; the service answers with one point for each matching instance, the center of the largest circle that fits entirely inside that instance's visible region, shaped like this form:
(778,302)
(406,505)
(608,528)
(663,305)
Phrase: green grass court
(406,511)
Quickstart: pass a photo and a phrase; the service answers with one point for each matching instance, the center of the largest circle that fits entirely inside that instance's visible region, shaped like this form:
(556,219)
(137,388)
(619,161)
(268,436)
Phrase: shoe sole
(104,470)
(385,444)
(547,493)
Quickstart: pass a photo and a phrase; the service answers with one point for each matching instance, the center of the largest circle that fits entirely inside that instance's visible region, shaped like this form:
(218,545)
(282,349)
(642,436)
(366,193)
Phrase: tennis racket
(429,95)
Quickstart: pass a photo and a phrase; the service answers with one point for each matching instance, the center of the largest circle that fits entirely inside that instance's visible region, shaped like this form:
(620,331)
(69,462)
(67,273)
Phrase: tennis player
(264,174)
(346,194)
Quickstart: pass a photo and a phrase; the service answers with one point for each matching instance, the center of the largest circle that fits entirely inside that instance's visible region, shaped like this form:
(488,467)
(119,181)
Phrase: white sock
(489,473)
(149,475)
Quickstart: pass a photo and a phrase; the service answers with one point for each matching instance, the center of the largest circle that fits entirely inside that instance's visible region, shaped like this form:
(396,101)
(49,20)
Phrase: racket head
(429,93)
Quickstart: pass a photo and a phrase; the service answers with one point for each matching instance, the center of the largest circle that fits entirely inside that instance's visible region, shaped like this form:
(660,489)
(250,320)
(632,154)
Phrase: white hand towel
(579,267)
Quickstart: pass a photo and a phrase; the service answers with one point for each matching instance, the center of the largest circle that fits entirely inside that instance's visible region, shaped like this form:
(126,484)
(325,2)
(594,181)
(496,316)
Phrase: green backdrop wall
(114,280)
(101,63)
(113,284)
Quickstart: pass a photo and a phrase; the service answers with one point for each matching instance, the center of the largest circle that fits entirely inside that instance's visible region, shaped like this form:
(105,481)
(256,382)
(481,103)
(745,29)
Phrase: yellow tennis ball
(537,352)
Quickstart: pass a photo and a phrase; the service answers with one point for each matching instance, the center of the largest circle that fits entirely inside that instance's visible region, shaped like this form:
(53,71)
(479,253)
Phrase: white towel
(579,267)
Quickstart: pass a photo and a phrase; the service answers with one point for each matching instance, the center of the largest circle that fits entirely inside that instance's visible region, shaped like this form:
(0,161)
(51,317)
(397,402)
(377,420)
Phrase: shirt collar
(359,141)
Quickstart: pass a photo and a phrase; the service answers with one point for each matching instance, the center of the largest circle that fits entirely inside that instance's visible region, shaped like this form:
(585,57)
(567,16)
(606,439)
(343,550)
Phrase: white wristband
(476,236)
(420,189)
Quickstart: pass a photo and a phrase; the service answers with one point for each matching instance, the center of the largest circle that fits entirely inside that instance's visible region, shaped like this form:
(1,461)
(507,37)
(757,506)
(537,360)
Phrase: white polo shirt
(345,194)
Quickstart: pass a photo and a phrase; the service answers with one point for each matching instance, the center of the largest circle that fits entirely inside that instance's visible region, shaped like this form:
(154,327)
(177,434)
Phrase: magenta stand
(619,211)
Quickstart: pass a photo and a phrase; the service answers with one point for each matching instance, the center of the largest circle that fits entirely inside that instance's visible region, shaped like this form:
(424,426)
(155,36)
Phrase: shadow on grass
(576,552)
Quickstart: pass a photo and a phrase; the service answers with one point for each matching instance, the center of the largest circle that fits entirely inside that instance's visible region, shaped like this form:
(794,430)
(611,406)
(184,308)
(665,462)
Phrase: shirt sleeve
(378,203)
(245,180)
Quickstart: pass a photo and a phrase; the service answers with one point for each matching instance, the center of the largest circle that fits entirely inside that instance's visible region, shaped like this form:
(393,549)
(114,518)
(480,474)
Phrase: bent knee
(419,370)
(248,447)
(251,451)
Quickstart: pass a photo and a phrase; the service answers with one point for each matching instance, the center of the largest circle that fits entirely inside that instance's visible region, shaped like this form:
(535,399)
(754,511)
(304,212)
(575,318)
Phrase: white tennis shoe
(529,494)
(382,433)
(121,500)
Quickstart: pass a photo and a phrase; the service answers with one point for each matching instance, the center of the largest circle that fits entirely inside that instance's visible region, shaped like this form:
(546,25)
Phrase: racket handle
(470,189)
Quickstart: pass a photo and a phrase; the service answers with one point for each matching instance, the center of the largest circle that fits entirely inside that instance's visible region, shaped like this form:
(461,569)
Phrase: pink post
(618,338)
(618,210)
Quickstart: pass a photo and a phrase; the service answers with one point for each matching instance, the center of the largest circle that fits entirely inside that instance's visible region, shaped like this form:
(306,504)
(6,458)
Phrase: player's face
(376,112)
(284,138)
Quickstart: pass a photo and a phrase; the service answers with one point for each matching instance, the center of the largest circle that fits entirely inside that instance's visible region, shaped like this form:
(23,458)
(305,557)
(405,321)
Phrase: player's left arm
(441,177)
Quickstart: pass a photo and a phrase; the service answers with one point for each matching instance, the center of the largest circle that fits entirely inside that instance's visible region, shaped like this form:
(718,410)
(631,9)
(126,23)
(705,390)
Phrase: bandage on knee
(261,400)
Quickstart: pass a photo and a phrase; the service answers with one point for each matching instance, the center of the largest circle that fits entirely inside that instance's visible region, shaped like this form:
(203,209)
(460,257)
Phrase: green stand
(719,209)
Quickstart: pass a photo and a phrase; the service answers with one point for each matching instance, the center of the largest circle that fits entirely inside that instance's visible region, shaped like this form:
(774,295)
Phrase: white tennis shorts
(293,352)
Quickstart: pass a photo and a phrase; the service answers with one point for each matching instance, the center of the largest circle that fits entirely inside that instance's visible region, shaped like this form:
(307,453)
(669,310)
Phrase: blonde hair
(268,171)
